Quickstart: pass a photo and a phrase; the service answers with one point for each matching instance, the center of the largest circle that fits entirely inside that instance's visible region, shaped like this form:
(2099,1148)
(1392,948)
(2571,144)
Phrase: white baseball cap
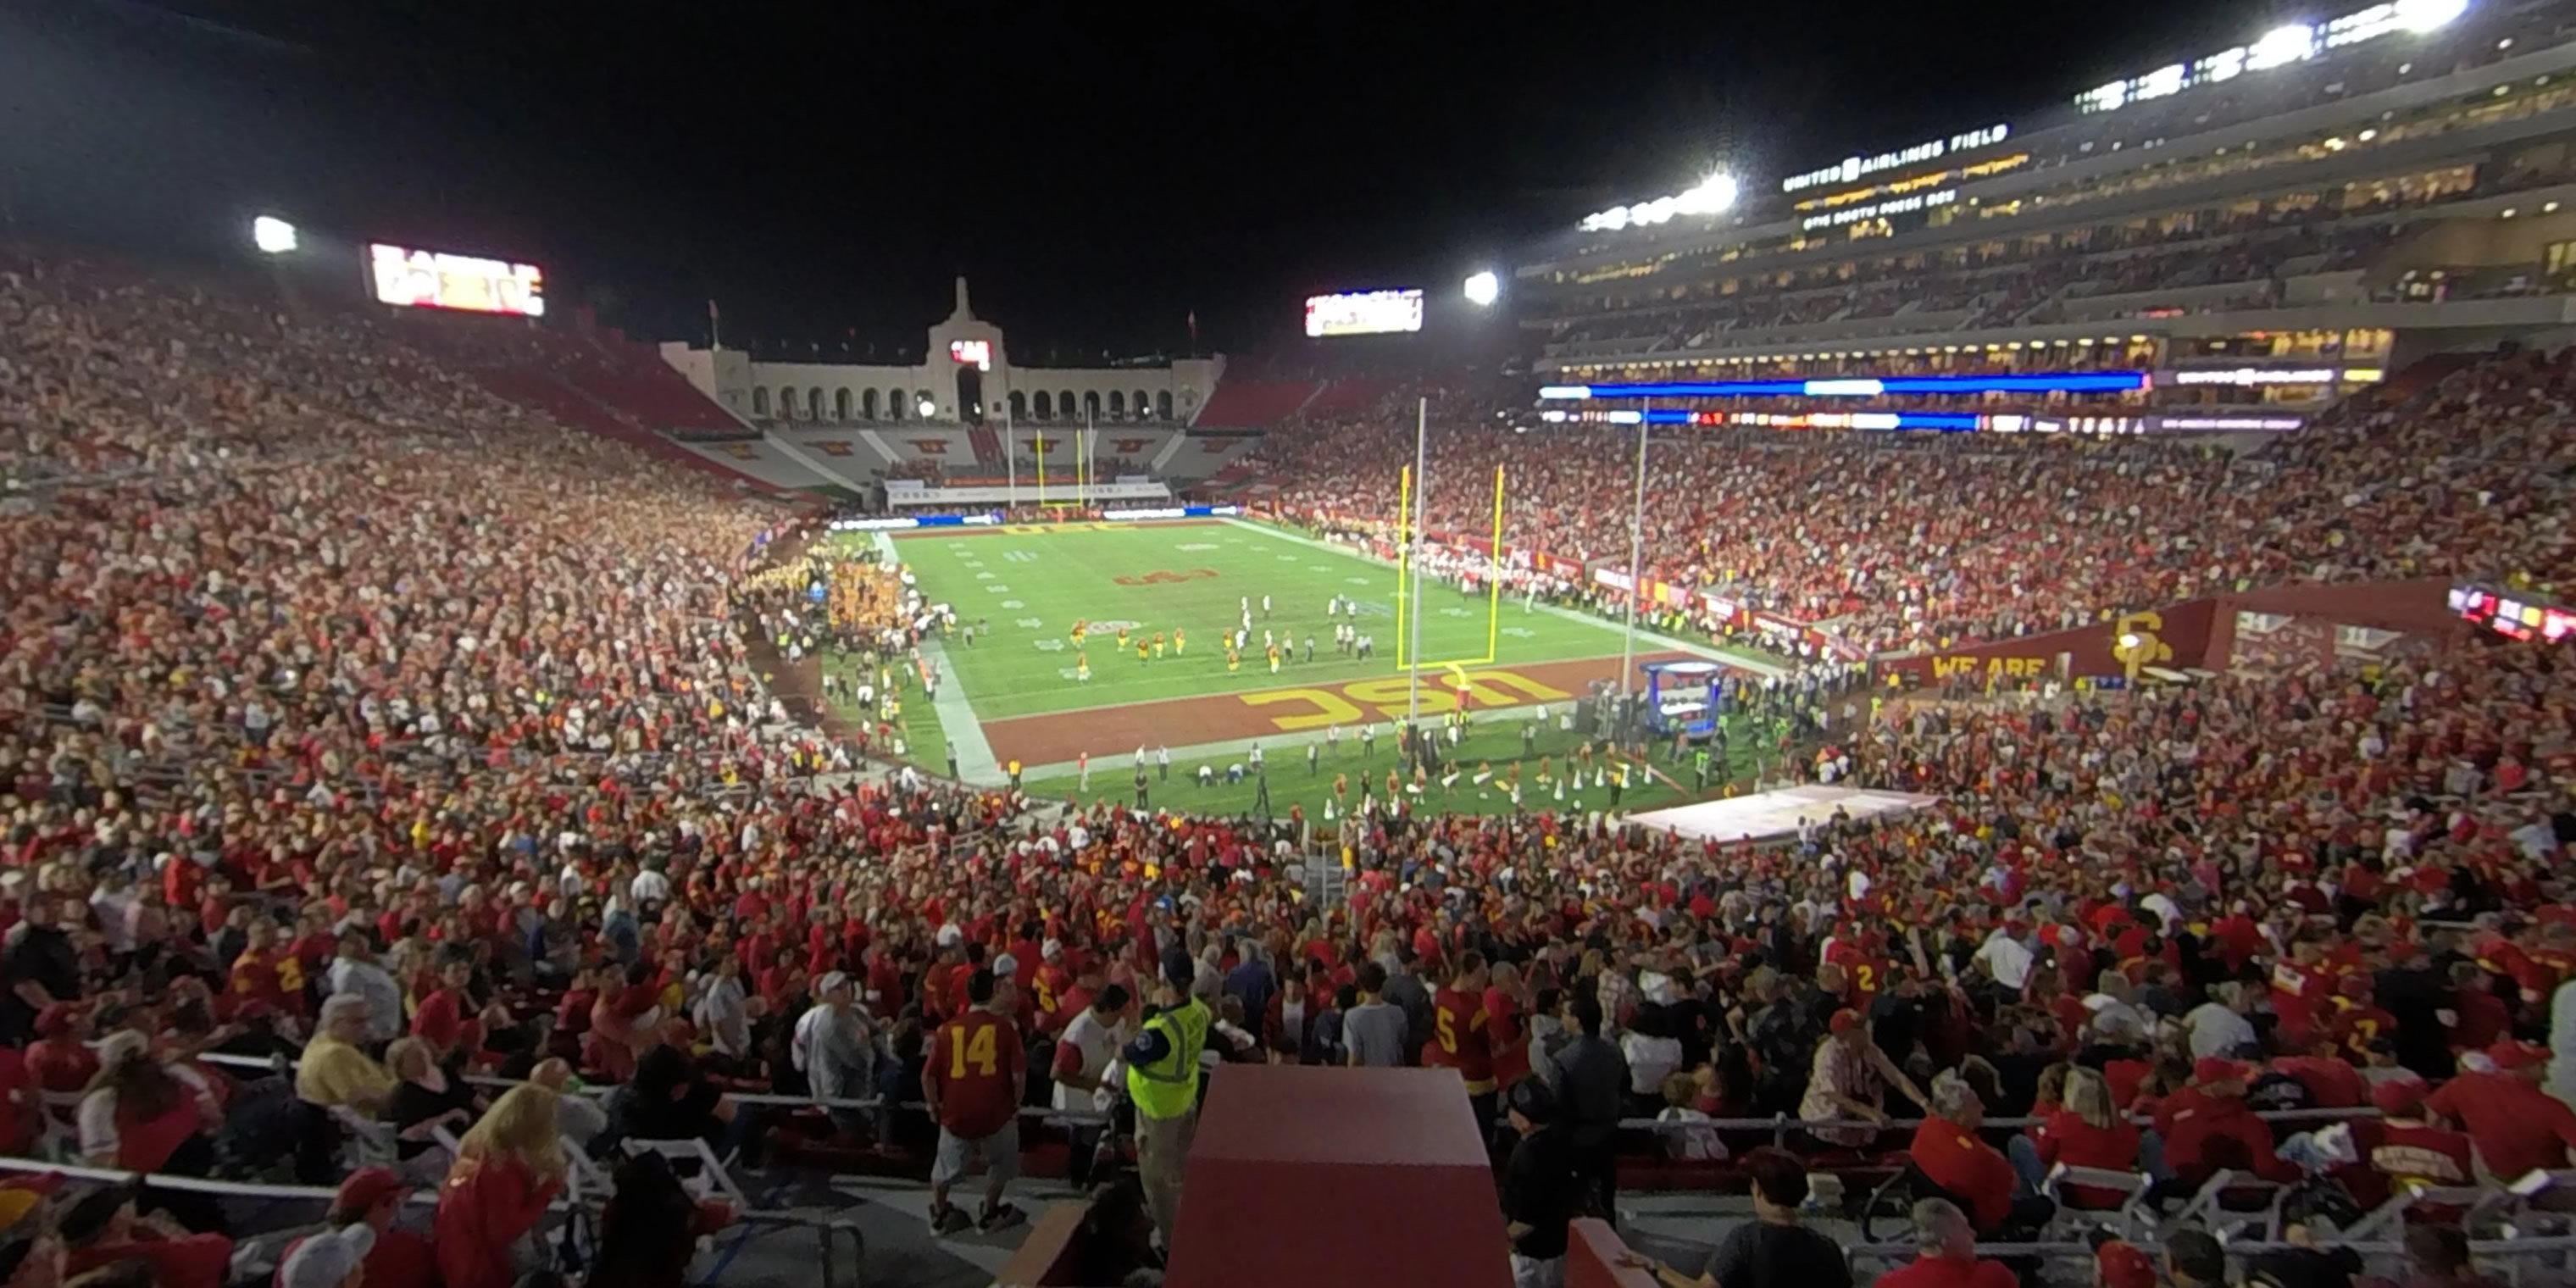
(327,1260)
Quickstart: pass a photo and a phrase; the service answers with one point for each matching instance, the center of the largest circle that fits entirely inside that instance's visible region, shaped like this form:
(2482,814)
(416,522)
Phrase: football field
(1025,691)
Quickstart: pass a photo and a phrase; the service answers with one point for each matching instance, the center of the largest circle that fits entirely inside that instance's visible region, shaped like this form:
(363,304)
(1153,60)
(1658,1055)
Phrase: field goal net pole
(1636,552)
(1421,489)
(1010,463)
(1412,508)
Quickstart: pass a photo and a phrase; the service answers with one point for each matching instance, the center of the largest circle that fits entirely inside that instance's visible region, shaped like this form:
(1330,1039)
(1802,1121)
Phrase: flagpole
(715,328)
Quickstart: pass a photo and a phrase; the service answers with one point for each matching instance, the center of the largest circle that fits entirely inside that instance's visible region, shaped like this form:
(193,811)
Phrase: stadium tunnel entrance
(970,394)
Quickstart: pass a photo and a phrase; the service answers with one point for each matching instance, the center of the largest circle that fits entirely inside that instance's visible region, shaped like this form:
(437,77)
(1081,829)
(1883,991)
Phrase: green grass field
(1028,586)
(1493,739)
(1032,586)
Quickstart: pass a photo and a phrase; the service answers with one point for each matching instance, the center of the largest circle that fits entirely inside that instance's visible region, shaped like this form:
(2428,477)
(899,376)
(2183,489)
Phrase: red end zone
(1041,529)
(1261,713)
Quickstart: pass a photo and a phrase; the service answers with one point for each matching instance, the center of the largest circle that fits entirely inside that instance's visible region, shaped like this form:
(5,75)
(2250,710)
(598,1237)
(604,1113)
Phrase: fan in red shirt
(58,1060)
(2353,1020)
(267,973)
(2518,1127)
(1462,1036)
(973,1080)
(1051,984)
(2084,1130)
(2403,1148)
(2478,1018)
(441,1019)
(2208,1125)
(1975,1174)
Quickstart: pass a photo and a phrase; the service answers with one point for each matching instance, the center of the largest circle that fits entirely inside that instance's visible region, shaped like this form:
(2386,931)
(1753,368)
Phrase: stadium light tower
(273,235)
(1483,288)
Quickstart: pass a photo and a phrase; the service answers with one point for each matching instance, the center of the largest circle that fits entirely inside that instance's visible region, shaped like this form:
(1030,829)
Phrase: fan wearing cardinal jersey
(1462,1037)
(973,1080)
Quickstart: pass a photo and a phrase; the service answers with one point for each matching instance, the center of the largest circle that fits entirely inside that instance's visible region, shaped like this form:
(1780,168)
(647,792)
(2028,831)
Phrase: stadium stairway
(987,445)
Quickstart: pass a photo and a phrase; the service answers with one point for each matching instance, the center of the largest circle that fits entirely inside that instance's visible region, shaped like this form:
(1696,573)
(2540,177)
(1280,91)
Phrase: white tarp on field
(1765,815)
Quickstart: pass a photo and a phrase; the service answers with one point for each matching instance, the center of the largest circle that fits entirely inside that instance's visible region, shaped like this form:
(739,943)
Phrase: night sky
(1100,171)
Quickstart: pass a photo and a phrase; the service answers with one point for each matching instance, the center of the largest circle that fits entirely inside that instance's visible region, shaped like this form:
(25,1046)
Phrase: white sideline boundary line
(957,722)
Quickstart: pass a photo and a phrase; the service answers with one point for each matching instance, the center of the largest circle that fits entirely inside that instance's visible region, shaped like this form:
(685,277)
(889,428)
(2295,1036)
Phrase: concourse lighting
(272,235)
(927,408)
(1484,288)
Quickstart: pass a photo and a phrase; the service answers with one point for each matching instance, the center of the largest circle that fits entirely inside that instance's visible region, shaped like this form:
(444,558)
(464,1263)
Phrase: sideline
(1761,666)
(957,722)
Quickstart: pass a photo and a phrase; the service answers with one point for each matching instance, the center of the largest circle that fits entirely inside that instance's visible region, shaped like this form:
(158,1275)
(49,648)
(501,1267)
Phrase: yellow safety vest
(1169,1087)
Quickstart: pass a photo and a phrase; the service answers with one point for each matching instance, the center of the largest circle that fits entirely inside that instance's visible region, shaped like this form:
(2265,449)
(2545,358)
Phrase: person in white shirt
(355,971)
(1087,1073)
(2005,957)
(2218,1026)
(650,887)
(723,1012)
(832,1048)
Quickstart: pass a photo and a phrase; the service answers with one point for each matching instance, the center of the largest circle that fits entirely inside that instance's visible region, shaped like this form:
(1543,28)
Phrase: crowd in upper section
(1904,543)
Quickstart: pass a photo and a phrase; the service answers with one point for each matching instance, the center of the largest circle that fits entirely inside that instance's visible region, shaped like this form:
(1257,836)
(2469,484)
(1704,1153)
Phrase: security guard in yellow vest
(1163,1083)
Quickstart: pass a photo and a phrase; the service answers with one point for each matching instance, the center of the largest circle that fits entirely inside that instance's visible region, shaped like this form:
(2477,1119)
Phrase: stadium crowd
(354,714)
(1958,539)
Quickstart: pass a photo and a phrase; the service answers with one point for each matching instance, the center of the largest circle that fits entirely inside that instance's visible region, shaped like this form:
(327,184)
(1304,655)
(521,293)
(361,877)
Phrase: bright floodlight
(1714,195)
(1484,288)
(273,235)
(2429,15)
(2282,45)
(927,408)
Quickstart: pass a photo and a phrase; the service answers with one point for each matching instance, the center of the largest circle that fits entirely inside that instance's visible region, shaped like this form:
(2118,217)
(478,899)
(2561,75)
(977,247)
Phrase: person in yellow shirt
(333,1072)
(1158,645)
(1122,637)
(1143,653)
(1274,659)
(1180,643)
(1233,660)
(1082,668)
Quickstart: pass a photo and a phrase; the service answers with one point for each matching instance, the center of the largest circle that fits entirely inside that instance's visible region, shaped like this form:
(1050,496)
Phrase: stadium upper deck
(2340,195)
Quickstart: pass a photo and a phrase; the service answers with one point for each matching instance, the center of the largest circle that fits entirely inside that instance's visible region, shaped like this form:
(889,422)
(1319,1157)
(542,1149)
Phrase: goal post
(1408,581)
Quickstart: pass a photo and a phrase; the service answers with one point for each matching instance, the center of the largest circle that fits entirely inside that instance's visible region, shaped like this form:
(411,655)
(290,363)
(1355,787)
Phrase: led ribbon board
(2071,382)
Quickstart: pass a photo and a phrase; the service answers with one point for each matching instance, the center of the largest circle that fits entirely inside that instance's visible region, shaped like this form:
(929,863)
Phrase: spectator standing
(835,1051)
(1772,1250)
(1084,1073)
(974,1078)
(1163,1082)
(508,1168)
(1590,1079)
(1540,1190)
(1373,1032)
